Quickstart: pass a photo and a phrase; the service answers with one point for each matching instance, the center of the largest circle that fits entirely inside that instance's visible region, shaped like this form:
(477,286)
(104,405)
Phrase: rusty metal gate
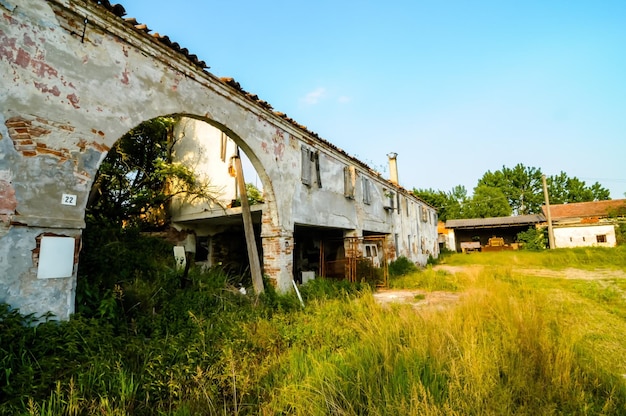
(365,260)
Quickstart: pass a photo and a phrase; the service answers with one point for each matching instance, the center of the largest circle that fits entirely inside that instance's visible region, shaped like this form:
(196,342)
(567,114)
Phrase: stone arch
(68,98)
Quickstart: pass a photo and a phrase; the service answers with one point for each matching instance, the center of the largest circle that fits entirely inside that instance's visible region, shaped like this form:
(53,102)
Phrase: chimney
(393,167)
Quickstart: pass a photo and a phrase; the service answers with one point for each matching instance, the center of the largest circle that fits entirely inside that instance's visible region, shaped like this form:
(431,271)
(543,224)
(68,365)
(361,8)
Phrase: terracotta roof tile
(119,11)
(586,209)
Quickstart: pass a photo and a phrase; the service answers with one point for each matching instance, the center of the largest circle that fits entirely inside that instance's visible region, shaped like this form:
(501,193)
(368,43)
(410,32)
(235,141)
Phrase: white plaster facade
(344,196)
(585,236)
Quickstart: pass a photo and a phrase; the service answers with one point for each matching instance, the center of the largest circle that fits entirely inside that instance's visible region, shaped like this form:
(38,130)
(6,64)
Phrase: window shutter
(317,169)
(306,166)
(366,191)
(349,181)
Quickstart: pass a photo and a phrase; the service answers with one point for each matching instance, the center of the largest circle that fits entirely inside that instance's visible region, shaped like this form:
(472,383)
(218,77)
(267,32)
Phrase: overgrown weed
(513,344)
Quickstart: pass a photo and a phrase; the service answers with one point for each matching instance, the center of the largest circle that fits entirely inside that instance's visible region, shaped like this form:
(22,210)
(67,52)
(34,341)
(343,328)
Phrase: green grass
(515,343)
(584,258)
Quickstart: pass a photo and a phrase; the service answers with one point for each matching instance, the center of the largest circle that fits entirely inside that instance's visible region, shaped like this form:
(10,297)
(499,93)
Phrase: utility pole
(545,195)
(253,255)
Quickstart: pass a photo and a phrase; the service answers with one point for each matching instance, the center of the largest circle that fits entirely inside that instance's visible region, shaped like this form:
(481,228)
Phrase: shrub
(533,239)
(401,266)
(620,233)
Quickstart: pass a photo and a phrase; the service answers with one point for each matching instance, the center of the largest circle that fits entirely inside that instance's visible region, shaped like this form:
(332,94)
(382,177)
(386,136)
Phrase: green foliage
(517,190)
(401,266)
(322,288)
(427,279)
(138,178)
(112,257)
(560,258)
(512,344)
(521,186)
(450,205)
(620,233)
(563,189)
(488,201)
(533,239)
(255,196)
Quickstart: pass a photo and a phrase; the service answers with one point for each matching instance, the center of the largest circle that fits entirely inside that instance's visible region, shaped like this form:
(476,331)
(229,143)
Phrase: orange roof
(586,209)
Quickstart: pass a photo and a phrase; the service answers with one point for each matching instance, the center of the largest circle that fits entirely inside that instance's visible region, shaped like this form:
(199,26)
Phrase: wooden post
(545,194)
(253,255)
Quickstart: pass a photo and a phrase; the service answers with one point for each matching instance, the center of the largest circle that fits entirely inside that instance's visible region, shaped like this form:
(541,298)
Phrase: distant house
(496,233)
(584,224)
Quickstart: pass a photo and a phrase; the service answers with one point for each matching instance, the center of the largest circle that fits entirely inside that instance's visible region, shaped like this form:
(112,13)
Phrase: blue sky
(456,88)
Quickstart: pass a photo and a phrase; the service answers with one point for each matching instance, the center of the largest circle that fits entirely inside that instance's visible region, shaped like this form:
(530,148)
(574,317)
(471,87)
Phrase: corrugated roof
(494,222)
(586,209)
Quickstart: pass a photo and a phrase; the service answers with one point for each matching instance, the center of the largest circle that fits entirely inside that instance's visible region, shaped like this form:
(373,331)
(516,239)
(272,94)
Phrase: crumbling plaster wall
(75,79)
(322,203)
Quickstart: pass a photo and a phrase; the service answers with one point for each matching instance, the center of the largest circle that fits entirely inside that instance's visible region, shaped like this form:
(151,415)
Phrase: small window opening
(367,198)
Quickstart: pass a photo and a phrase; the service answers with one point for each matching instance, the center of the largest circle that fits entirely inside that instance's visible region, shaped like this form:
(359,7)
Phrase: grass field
(516,342)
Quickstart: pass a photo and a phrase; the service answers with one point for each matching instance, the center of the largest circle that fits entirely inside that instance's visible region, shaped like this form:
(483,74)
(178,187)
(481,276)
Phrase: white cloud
(344,99)
(314,96)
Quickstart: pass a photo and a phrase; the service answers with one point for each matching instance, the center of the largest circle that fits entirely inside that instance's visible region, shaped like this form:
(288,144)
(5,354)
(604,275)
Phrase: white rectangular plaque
(56,257)
(68,199)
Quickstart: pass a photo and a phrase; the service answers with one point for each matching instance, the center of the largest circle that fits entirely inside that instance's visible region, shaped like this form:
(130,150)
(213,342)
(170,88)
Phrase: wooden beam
(253,255)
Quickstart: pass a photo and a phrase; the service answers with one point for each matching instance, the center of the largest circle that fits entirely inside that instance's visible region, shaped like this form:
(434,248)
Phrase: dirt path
(421,299)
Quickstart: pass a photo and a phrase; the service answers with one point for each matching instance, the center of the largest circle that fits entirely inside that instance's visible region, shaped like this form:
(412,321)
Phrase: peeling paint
(8,200)
(45,88)
(113,80)
(73,100)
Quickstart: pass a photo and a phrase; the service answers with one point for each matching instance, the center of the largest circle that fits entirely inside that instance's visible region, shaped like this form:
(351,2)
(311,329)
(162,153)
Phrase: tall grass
(513,344)
(581,257)
(498,352)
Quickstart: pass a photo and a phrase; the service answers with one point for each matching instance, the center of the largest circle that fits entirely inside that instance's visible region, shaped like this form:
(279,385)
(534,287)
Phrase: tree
(449,205)
(488,201)
(521,185)
(563,189)
(138,178)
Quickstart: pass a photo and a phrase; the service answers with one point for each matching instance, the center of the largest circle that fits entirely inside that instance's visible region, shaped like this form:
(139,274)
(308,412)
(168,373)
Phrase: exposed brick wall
(277,255)
(29,134)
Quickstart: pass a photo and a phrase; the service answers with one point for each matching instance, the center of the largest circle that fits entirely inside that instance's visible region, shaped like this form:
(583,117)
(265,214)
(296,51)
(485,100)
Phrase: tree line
(510,191)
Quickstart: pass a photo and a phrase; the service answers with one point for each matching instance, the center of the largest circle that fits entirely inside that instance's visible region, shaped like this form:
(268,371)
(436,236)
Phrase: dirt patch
(575,274)
(418,298)
(441,299)
(568,273)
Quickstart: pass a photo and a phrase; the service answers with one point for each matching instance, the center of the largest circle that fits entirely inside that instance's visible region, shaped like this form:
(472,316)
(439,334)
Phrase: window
(390,198)
(424,213)
(306,166)
(317,169)
(349,181)
(310,160)
(367,197)
(601,238)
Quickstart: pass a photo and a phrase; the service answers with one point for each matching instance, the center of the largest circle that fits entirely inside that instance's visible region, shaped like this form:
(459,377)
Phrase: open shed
(480,230)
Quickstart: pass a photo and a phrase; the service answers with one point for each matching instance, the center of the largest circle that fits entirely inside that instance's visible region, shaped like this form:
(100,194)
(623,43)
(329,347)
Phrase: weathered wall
(75,78)
(584,236)
(322,202)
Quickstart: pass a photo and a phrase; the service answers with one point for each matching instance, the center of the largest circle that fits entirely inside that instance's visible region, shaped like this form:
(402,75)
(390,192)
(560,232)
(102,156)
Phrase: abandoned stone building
(334,200)
(77,76)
